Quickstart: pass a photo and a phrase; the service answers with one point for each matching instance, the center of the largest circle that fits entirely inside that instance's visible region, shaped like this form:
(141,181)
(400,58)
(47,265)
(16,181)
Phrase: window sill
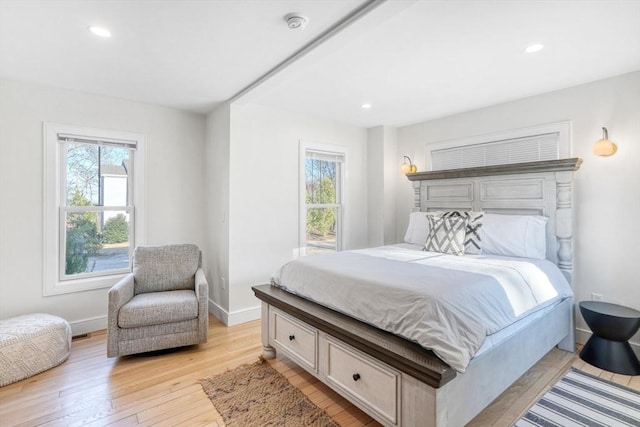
(81,285)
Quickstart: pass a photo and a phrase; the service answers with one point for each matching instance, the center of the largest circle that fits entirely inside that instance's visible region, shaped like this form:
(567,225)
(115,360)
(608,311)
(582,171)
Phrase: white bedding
(446,303)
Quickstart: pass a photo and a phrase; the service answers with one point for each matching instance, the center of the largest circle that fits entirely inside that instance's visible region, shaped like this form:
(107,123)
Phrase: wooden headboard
(534,188)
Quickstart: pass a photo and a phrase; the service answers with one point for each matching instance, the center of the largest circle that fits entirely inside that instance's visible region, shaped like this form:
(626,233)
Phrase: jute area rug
(581,399)
(258,395)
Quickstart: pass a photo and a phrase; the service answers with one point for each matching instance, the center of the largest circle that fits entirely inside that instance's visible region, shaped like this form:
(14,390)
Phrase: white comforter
(446,303)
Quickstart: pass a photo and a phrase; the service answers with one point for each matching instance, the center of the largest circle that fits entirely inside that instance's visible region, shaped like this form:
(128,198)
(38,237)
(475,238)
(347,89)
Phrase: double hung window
(321,229)
(90,212)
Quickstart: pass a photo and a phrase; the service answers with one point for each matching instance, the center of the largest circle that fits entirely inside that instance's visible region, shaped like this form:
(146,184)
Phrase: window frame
(54,211)
(330,149)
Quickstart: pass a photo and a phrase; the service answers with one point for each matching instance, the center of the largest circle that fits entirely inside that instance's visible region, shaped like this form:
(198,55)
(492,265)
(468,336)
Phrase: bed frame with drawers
(398,382)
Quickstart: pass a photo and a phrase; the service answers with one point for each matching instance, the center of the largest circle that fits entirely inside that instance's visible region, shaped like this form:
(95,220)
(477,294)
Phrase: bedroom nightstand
(612,326)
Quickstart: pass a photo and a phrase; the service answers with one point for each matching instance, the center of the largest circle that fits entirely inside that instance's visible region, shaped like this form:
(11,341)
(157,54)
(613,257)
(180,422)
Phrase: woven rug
(258,395)
(581,399)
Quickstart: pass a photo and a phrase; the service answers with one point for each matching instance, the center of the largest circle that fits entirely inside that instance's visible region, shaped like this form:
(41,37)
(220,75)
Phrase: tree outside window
(97,209)
(322,201)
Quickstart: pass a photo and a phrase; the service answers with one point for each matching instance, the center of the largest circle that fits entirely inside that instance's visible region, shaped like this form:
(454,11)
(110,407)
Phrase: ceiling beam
(330,32)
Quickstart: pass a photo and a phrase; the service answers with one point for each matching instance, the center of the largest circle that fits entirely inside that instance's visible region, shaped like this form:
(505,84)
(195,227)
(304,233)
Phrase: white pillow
(418,229)
(514,235)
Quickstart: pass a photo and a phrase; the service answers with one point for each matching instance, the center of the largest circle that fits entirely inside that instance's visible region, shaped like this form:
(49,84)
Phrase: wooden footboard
(397,352)
(398,382)
(390,378)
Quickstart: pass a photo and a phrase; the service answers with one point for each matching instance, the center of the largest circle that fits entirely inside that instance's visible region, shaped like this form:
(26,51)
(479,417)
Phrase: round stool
(31,344)
(612,326)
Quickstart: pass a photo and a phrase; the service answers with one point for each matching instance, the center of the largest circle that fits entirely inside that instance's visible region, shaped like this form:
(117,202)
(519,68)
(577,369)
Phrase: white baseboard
(81,327)
(236,317)
(582,335)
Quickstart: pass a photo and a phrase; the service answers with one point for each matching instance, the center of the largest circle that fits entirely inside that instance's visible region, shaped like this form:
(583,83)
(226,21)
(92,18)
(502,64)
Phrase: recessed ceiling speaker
(295,21)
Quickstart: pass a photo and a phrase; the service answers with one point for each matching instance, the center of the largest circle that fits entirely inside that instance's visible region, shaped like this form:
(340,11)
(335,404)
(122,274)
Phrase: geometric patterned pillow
(472,240)
(446,235)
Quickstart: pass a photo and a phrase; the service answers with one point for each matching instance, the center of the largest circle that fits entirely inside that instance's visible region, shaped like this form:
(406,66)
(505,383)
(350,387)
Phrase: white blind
(324,155)
(131,145)
(516,150)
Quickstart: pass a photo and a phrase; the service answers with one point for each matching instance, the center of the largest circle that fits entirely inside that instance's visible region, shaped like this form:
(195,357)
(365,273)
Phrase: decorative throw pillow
(446,235)
(472,240)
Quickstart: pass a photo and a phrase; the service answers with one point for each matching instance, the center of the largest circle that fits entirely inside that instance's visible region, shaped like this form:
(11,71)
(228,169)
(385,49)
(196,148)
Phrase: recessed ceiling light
(534,48)
(365,106)
(100,31)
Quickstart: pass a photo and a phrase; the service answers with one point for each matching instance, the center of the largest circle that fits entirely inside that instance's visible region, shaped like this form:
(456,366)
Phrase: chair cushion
(156,308)
(165,268)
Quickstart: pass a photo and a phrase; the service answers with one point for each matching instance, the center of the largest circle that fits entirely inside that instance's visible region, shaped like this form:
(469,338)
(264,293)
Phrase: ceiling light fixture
(100,31)
(534,48)
(295,21)
(365,106)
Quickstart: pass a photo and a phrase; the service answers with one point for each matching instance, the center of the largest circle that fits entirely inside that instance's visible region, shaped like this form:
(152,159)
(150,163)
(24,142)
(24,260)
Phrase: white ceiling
(412,60)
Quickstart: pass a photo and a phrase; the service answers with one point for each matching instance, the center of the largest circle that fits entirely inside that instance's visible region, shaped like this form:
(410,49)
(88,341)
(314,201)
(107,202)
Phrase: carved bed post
(416,196)
(268,352)
(564,222)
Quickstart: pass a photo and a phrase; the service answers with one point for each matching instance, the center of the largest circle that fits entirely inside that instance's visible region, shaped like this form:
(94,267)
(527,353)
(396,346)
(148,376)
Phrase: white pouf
(31,344)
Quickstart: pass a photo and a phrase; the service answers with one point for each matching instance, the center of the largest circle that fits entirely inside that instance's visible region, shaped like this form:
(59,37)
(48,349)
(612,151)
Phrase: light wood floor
(162,389)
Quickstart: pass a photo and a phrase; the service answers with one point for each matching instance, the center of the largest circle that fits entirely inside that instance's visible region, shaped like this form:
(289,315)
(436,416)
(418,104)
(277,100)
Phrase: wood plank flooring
(162,389)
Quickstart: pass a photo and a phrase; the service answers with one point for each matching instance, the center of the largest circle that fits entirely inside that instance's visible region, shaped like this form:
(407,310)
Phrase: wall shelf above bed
(572,164)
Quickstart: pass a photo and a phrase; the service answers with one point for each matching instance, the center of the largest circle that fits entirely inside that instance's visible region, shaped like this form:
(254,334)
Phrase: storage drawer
(372,383)
(297,339)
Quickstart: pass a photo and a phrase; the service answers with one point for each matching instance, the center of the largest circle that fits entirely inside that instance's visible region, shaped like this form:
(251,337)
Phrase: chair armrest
(202,287)
(202,294)
(121,293)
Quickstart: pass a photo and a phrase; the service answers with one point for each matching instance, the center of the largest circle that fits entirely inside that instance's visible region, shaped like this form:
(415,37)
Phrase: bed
(388,373)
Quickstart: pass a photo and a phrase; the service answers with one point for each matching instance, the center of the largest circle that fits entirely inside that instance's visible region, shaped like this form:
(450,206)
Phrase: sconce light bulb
(605,147)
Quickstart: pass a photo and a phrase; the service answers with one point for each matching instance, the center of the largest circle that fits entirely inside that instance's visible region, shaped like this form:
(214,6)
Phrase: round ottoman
(31,344)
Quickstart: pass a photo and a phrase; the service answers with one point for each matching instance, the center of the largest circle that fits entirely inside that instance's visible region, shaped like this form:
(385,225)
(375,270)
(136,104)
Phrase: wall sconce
(406,168)
(604,147)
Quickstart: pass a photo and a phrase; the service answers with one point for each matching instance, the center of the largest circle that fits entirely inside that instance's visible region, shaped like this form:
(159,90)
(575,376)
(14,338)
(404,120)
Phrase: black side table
(612,326)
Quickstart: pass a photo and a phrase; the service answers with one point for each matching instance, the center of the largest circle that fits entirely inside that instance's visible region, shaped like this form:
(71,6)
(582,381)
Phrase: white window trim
(305,146)
(563,129)
(52,190)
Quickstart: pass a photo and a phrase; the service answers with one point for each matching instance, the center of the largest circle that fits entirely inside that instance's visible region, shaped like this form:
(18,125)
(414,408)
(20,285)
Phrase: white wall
(263,194)
(174,188)
(217,208)
(375,186)
(382,174)
(607,190)
(391,172)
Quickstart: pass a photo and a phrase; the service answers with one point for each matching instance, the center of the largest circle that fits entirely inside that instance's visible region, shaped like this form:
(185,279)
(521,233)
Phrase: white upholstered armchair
(161,304)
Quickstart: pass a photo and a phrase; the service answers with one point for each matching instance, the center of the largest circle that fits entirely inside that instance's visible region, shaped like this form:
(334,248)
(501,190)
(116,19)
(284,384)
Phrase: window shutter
(516,150)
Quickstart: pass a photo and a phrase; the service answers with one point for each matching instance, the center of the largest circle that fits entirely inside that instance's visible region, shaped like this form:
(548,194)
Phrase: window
(547,142)
(92,208)
(321,199)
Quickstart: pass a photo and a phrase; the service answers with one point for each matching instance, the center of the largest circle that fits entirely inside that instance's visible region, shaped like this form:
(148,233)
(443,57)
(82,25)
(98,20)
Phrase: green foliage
(116,230)
(321,220)
(83,238)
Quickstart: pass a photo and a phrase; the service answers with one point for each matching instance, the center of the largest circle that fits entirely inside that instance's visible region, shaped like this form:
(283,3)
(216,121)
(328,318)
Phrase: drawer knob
(292,337)
(356,377)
